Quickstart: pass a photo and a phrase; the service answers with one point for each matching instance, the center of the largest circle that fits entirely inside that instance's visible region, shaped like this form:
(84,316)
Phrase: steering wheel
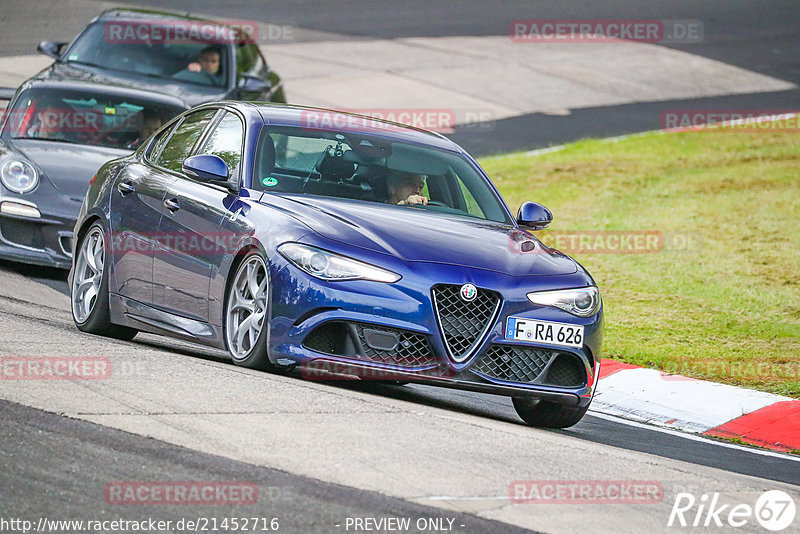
(437,203)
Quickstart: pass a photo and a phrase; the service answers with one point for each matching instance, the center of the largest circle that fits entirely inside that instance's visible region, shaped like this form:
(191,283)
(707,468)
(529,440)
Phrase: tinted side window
(158,143)
(226,142)
(471,205)
(186,135)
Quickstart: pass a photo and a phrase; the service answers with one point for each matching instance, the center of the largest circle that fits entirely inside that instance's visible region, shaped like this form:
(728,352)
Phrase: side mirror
(206,168)
(6,93)
(50,48)
(534,215)
(252,84)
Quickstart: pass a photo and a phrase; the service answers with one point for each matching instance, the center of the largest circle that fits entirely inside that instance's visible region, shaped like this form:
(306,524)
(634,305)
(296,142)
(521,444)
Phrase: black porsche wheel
(89,290)
(547,414)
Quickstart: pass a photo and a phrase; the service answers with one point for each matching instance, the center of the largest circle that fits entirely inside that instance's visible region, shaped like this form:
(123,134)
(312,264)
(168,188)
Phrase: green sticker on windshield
(73,57)
(269,181)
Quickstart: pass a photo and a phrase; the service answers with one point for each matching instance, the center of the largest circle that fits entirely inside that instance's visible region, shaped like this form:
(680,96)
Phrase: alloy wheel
(88,274)
(247,307)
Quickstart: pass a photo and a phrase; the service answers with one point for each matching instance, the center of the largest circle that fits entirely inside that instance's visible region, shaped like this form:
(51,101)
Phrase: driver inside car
(206,69)
(56,123)
(406,189)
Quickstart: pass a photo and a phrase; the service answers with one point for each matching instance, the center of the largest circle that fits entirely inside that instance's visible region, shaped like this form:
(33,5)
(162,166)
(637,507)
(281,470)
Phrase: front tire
(89,289)
(246,312)
(547,414)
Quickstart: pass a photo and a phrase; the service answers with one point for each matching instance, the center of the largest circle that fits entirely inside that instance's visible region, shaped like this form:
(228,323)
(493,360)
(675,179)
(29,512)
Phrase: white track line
(695,437)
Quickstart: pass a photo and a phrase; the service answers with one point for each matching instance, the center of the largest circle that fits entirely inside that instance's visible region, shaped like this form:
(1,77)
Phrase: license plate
(567,335)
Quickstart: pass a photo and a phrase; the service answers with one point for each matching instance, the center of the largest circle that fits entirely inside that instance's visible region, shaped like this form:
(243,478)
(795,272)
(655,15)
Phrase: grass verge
(716,294)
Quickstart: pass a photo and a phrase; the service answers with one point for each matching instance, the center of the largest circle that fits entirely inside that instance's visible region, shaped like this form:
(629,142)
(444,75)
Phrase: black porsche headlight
(330,266)
(18,175)
(583,302)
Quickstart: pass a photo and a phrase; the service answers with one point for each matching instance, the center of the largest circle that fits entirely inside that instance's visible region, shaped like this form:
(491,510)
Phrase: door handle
(172,204)
(125,187)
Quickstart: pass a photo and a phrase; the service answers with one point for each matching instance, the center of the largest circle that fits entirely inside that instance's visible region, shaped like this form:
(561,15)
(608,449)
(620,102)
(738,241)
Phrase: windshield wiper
(69,141)
(87,63)
(117,69)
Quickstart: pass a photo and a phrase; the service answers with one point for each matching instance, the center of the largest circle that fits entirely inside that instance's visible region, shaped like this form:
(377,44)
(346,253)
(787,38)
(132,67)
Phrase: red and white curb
(698,406)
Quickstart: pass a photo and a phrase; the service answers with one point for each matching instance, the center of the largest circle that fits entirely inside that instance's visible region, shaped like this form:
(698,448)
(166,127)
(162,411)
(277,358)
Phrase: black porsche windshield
(181,51)
(85,118)
(375,169)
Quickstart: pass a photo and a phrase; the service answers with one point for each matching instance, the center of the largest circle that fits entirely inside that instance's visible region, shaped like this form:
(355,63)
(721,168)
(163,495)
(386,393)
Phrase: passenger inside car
(150,123)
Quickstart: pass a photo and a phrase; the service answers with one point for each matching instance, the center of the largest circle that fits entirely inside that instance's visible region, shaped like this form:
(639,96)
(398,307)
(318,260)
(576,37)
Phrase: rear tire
(547,414)
(89,288)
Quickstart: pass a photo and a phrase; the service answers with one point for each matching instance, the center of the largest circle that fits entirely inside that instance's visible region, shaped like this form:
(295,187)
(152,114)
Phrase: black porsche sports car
(55,136)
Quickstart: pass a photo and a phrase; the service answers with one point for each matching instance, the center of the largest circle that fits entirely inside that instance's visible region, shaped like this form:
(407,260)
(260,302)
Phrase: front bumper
(44,240)
(303,332)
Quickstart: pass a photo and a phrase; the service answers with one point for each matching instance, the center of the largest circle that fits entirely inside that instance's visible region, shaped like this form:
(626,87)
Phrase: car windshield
(182,51)
(85,118)
(374,169)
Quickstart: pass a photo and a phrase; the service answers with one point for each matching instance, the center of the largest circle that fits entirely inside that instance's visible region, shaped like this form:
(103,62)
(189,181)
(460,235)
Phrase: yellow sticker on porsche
(567,335)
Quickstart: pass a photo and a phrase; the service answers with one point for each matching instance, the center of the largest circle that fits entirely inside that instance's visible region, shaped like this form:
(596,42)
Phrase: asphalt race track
(321,453)
(69,465)
(458,452)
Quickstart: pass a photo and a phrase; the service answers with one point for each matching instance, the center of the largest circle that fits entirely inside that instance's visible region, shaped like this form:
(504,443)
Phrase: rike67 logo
(774,510)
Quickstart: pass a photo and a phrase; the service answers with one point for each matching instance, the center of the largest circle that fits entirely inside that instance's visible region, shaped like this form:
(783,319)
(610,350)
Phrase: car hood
(414,234)
(189,94)
(68,167)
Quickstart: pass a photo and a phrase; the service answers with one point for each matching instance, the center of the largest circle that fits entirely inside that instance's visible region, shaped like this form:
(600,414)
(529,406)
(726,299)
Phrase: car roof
(312,118)
(43,81)
(129,13)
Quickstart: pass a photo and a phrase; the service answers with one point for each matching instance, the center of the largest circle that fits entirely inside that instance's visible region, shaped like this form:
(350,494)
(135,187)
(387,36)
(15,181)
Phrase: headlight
(329,266)
(583,302)
(18,175)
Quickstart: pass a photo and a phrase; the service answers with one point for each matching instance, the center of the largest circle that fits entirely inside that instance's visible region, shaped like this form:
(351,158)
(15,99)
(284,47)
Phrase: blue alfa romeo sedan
(341,246)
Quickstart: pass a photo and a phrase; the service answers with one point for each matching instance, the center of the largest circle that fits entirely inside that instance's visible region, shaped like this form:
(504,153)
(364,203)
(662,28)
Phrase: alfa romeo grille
(463,323)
